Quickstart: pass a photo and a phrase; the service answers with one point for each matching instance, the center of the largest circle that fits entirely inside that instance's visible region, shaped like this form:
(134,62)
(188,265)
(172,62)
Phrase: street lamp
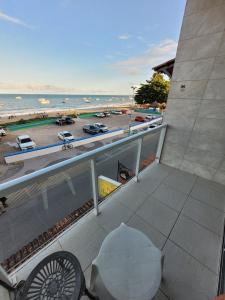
(134,89)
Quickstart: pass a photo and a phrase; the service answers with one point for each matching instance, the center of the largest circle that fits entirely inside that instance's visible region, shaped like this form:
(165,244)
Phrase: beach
(14,116)
(14,108)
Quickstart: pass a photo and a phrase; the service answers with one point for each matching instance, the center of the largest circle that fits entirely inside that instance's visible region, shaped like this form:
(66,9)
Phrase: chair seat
(128,266)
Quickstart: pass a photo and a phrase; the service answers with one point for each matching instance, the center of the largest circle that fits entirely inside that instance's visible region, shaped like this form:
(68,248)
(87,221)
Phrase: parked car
(25,142)
(116,112)
(2,132)
(102,127)
(92,129)
(100,115)
(149,117)
(139,119)
(153,126)
(65,136)
(107,114)
(65,121)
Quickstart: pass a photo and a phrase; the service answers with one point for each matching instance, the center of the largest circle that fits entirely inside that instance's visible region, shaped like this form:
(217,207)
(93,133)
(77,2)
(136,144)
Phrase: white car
(149,117)
(100,115)
(117,112)
(65,136)
(25,142)
(2,132)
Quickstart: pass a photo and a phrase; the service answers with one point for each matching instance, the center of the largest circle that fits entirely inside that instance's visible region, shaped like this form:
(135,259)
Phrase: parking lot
(47,134)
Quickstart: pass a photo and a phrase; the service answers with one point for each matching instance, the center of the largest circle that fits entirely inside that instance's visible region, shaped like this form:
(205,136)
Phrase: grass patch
(23,124)
(86,115)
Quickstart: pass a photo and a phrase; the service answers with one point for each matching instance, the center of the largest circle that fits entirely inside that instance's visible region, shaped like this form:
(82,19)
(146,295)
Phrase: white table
(128,266)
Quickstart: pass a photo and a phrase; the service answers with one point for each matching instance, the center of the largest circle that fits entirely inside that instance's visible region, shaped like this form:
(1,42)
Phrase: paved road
(26,217)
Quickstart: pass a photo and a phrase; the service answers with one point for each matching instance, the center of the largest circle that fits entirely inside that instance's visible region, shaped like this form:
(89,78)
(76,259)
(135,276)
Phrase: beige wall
(196,114)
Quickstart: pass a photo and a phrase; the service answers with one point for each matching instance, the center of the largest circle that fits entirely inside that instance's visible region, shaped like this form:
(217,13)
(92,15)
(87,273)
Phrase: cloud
(124,37)
(141,38)
(11,19)
(48,88)
(29,87)
(115,55)
(155,54)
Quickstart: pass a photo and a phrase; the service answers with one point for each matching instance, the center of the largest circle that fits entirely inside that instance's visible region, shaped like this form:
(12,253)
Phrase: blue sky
(84,46)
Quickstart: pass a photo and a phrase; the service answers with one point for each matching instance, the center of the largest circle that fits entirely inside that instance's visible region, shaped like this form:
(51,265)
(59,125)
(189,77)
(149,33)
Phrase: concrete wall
(195,141)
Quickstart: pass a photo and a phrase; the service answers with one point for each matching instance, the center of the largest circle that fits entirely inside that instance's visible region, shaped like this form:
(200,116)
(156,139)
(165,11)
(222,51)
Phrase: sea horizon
(19,104)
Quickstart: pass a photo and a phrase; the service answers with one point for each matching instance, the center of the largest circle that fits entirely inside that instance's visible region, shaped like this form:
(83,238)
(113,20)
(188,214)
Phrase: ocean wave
(29,111)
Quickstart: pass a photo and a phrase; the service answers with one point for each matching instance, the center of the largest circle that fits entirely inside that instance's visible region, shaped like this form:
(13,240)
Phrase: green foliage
(22,121)
(156,89)
(74,115)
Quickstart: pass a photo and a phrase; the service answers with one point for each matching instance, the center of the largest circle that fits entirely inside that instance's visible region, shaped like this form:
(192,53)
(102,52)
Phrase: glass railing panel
(117,166)
(41,210)
(149,149)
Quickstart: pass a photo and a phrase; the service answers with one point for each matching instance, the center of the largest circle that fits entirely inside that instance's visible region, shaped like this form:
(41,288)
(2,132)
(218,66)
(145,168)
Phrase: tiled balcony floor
(181,213)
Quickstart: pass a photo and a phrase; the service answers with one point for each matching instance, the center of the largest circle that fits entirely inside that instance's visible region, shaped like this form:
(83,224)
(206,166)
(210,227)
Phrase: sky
(85,46)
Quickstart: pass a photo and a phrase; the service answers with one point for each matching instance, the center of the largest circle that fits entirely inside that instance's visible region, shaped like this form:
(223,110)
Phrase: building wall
(196,112)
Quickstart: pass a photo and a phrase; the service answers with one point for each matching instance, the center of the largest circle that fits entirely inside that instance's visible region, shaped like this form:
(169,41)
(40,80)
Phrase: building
(166,67)
(178,201)
(196,109)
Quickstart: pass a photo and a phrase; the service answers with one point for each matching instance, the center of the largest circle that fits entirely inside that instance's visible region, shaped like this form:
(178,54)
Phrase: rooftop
(181,213)
(166,67)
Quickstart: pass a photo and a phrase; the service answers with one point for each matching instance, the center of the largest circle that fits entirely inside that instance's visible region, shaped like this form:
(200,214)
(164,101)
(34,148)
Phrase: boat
(86,100)
(65,100)
(18,97)
(43,101)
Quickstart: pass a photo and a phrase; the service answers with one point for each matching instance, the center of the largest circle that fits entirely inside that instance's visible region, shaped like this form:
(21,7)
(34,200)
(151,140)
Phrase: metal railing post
(94,181)
(45,197)
(138,158)
(160,144)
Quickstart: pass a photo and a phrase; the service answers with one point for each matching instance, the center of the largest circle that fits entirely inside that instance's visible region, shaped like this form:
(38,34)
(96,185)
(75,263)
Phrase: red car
(139,119)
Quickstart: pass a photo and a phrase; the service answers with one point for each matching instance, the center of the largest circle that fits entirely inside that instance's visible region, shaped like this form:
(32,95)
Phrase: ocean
(12,104)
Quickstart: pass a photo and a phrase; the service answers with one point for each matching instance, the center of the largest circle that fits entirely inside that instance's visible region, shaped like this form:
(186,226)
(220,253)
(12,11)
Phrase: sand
(33,114)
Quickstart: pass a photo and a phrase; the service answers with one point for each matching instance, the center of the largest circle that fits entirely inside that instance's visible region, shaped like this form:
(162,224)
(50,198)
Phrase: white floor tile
(205,215)
(199,242)
(158,215)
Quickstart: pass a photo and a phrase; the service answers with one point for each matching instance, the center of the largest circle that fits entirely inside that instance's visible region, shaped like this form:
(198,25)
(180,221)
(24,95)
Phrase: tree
(156,89)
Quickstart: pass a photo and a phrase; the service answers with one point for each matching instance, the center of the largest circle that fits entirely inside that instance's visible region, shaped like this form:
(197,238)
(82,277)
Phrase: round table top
(129,264)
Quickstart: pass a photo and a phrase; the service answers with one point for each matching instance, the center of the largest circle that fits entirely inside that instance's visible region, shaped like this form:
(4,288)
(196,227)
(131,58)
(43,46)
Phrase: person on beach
(4,205)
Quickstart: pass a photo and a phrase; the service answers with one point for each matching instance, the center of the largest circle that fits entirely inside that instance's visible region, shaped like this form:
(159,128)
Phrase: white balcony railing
(48,200)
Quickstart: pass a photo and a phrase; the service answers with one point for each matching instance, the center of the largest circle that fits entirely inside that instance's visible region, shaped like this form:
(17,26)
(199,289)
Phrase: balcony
(181,213)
